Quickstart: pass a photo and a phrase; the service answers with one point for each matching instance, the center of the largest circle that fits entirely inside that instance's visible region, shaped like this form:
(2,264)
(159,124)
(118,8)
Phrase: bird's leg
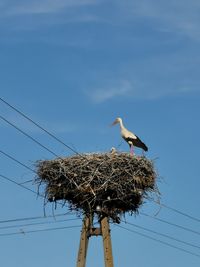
(131,150)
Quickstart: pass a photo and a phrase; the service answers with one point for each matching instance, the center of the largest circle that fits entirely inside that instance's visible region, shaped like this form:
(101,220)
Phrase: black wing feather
(137,142)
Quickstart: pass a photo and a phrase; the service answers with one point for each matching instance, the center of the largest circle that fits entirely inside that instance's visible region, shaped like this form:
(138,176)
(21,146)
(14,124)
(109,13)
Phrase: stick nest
(103,184)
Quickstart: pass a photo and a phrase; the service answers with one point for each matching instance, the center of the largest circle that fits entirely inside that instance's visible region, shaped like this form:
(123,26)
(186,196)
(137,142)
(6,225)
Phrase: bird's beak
(115,122)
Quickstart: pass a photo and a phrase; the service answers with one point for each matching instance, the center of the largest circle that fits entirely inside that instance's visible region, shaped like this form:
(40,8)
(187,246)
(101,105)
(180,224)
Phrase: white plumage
(129,137)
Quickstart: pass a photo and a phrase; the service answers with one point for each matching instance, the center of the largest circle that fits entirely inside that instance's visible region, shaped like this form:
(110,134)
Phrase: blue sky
(74,66)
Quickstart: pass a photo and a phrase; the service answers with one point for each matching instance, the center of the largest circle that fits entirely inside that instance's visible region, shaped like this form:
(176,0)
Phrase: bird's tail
(144,147)
(139,143)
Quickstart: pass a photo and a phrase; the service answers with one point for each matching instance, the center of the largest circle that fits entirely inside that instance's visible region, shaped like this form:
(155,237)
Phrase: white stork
(129,137)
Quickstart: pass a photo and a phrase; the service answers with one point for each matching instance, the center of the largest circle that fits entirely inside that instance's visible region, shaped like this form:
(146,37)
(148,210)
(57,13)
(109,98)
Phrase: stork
(129,137)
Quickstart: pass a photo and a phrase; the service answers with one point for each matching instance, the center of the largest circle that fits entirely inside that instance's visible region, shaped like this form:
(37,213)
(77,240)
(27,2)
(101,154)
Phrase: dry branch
(104,183)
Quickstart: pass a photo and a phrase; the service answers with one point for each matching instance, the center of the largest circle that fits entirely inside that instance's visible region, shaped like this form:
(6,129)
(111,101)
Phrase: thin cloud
(41,14)
(104,94)
(150,89)
(44,6)
(181,17)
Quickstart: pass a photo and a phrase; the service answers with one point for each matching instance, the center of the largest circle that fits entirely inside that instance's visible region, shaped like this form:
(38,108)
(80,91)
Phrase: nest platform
(108,184)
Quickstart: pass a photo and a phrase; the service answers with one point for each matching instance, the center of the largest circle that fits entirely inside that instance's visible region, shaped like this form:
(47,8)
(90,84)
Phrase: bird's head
(117,120)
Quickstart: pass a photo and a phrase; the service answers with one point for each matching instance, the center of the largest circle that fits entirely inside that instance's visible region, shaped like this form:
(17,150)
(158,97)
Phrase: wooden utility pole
(83,243)
(105,230)
(87,231)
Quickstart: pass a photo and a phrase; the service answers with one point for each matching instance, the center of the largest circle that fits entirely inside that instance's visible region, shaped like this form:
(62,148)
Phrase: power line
(39,126)
(28,181)
(164,235)
(170,223)
(17,161)
(177,211)
(21,185)
(20,163)
(40,230)
(160,241)
(24,187)
(35,217)
(29,136)
(37,223)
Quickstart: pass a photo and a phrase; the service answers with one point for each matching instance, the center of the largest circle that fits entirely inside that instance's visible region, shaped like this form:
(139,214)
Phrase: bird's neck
(121,124)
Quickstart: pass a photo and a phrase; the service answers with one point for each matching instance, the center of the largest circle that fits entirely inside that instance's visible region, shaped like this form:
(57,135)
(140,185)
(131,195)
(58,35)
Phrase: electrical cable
(24,187)
(170,223)
(163,235)
(37,223)
(39,126)
(20,163)
(21,185)
(177,211)
(160,241)
(17,161)
(35,218)
(40,230)
(29,136)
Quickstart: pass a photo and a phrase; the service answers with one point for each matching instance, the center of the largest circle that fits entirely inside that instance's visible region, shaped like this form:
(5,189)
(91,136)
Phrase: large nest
(103,184)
